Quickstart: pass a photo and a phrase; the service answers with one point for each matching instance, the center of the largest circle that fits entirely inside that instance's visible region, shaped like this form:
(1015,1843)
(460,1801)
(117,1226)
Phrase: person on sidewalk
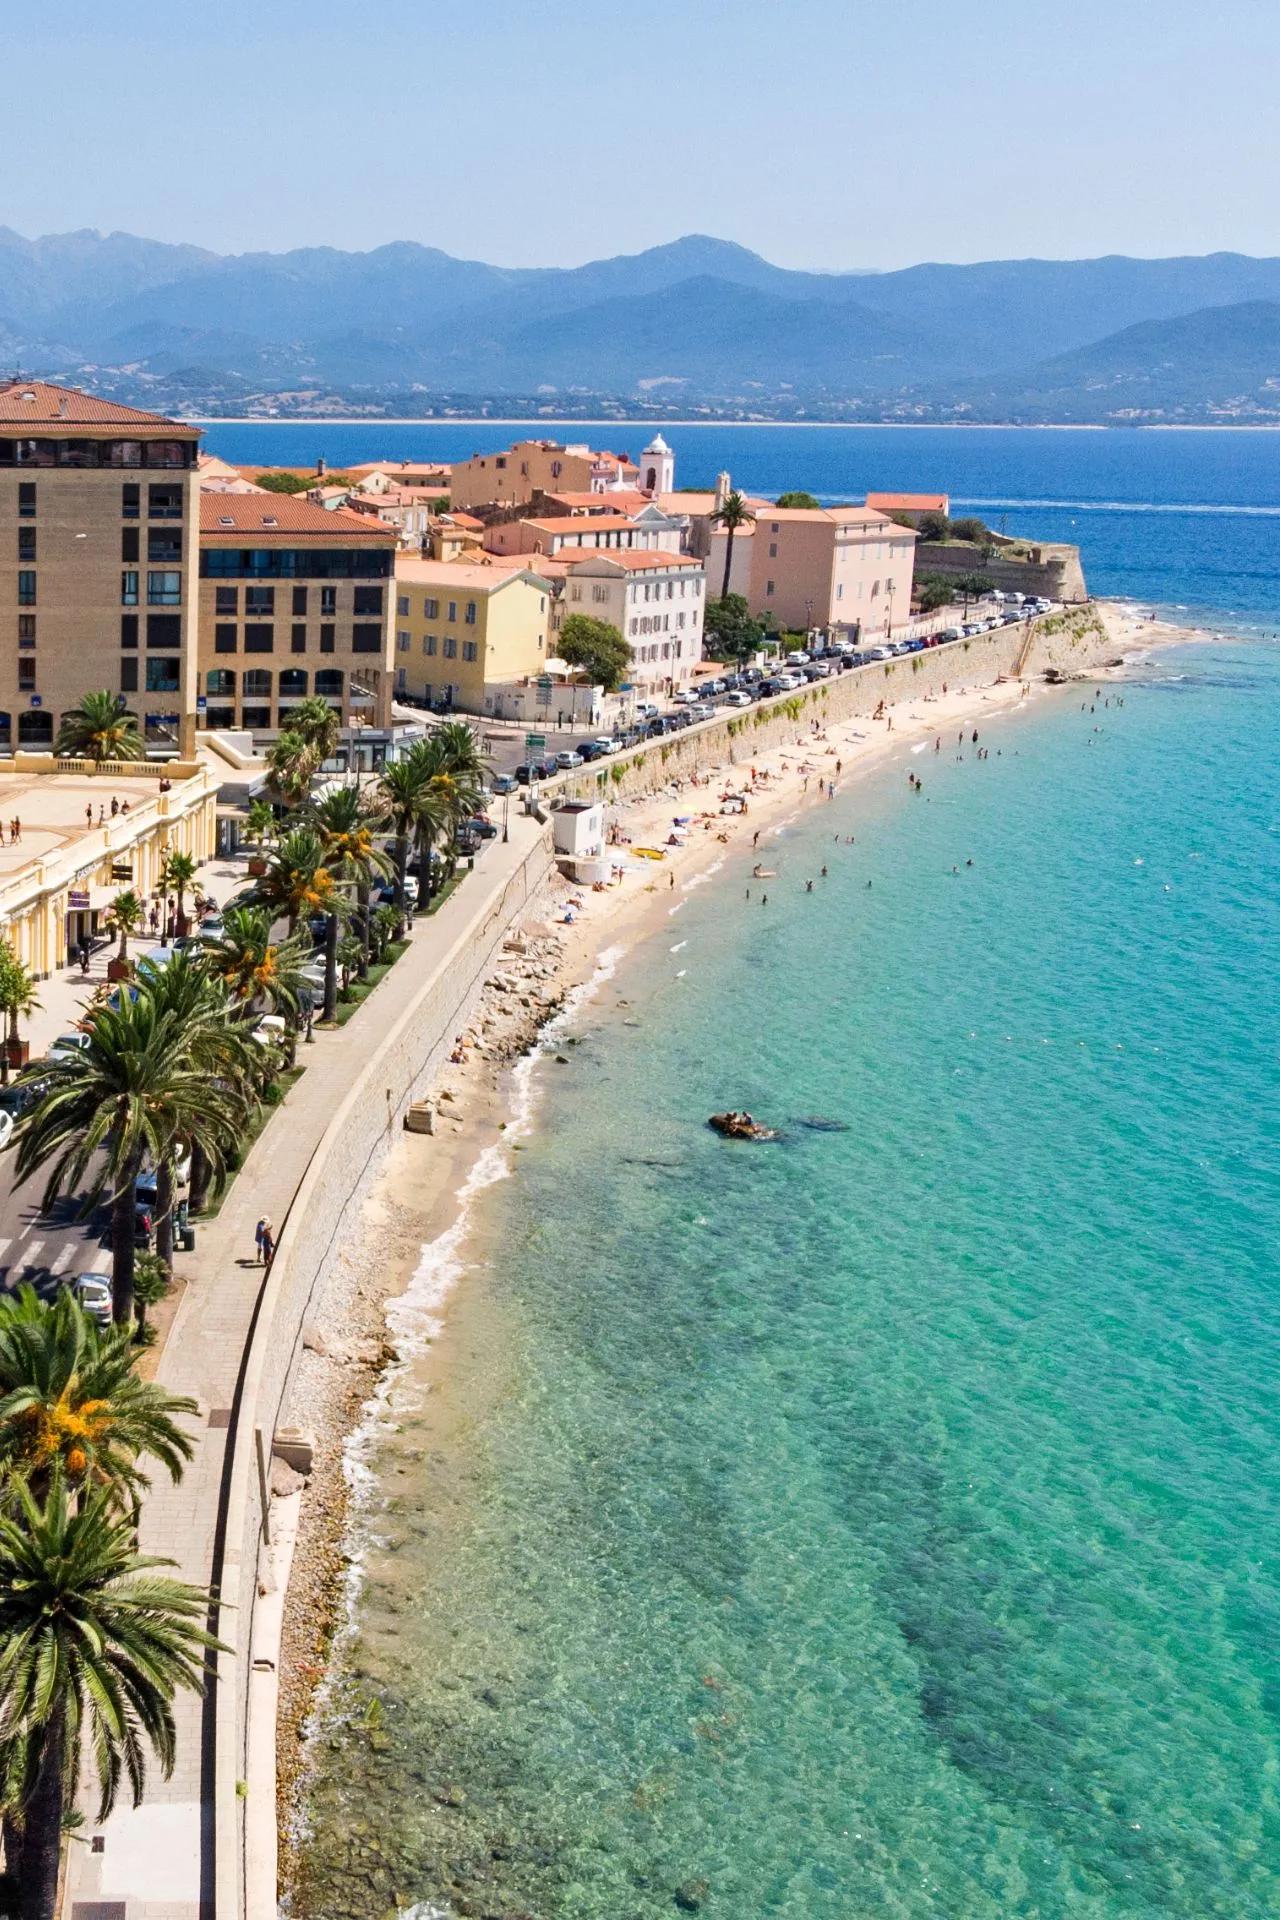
(268,1244)
(259,1236)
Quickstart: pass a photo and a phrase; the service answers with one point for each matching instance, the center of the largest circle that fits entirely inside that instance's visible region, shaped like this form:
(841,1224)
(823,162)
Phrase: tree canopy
(798,498)
(596,648)
(730,631)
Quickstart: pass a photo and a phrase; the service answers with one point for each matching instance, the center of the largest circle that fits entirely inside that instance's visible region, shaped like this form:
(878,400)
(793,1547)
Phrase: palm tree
(120,1104)
(260,975)
(296,883)
(126,915)
(400,788)
(152,1280)
(260,821)
(291,765)
(318,724)
(345,826)
(450,789)
(94,1644)
(100,728)
(71,1402)
(732,513)
(177,874)
(18,998)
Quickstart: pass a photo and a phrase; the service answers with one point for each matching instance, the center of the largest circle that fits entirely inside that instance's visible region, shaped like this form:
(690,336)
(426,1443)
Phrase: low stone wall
(1054,571)
(1070,641)
(399,1063)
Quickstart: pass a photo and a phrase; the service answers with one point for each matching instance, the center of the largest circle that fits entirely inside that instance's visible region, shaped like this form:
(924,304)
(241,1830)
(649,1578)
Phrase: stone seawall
(1053,571)
(401,1060)
(1069,641)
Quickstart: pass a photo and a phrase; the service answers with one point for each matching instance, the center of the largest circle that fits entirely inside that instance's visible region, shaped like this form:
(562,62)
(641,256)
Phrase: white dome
(657,445)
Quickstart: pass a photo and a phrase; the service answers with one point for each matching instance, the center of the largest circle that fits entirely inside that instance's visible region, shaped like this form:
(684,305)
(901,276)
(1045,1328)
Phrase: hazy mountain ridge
(700,320)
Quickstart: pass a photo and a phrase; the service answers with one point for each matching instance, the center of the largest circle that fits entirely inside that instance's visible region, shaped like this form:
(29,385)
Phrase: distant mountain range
(698,325)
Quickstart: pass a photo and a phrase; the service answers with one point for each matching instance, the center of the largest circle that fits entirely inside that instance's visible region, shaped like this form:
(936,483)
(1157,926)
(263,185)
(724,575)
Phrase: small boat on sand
(763,873)
(739,1125)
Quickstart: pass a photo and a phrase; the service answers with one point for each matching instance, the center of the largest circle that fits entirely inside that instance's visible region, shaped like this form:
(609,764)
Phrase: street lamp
(889,628)
(506,803)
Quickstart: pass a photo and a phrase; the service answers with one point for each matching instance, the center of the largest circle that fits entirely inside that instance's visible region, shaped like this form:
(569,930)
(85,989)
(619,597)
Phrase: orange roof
(484,576)
(464,520)
(909,502)
(617,500)
(633,559)
(568,524)
(40,403)
(267,515)
(402,467)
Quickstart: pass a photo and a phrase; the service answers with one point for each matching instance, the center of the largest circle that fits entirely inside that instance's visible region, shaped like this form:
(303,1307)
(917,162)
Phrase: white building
(656,601)
(657,468)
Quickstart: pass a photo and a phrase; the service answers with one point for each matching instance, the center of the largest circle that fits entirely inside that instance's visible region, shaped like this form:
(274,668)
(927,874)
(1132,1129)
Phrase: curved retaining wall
(399,1062)
(1072,642)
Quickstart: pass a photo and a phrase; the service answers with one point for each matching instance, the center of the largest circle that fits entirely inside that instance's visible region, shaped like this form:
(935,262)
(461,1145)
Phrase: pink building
(830,567)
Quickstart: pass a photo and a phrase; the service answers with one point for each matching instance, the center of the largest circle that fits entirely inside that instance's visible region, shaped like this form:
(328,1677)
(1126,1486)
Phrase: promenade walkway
(155,1862)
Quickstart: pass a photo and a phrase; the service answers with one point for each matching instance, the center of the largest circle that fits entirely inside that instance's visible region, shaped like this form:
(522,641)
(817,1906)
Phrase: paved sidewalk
(158,1859)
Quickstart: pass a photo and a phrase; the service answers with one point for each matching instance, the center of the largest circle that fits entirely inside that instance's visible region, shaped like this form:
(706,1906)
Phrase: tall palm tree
(291,766)
(296,883)
(260,974)
(94,1645)
(732,514)
(18,998)
(260,821)
(449,771)
(70,1400)
(399,790)
(127,915)
(100,728)
(177,874)
(345,826)
(318,724)
(212,1039)
(107,1111)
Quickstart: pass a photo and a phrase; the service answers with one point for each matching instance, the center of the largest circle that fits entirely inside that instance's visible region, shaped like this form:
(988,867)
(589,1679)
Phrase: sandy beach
(352,1346)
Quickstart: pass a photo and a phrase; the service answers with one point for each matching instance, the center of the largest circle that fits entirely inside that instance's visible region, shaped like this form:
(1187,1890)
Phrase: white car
(271,1031)
(684,696)
(799,659)
(68,1045)
(93,1291)
(737,698)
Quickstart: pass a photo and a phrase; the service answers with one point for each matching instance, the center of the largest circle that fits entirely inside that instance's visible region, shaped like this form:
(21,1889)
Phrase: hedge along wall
(1071,641)
(400,1061)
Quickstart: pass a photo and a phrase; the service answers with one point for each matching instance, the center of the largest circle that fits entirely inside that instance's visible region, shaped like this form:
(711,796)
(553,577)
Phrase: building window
(259,602)
(164,630)
(128,629)
(429,644)
(366,638)
(469,650)
(402,605)
(257,719)
(26,629)
(773,549)
(26,543)
(453,612)
(130,500)
(368,600)
(450,647)
(26,587)
(26,499)
(164,589)
(329,683)
(402,642)
(599,594)
(298,638)
(259,637)
(220,681)
(471,613)
(299,603)
(327,635)
(293,683)
(328,601)
(431,609)
(162,675)
(256,683)
(219,716)
(226,600)
(224,638)
(26,682)
(164,501)
(129,548)
(129,587)
(768,588)
(128,676)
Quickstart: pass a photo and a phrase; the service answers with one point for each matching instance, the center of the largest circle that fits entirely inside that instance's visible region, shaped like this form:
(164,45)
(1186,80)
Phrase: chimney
(62,407)
(322,467)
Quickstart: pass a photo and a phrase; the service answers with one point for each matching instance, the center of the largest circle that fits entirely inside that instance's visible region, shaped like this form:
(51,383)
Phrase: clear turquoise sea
(881,1522)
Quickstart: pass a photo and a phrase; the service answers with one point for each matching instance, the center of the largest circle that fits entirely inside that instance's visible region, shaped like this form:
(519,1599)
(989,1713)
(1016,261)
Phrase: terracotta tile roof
(909,502)
(39,403)
(616,500)
(633,560)
(467,520)
(267,515)
(401,467)
(462,575)
(568,524)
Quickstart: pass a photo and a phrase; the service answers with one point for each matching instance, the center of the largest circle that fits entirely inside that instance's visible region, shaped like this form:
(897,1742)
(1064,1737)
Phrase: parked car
(703,711)
(589,750)
(769,687)
(68,1045)
(951,633)
(524,773)
(798,659)
(503,783)
(684,696)
(213,928)
(271,1031)
(879,653)
(93,1291)
(738,698)
(606,743)
(567,760)
(483,827)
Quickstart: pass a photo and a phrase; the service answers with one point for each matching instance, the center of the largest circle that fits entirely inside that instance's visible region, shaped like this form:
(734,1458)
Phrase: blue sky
(823,133)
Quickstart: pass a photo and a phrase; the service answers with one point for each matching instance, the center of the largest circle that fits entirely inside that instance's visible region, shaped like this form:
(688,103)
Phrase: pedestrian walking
(259,1236)
(268,1244)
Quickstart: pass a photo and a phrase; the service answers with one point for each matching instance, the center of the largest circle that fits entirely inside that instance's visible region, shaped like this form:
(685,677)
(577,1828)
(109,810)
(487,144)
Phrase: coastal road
(46,1249)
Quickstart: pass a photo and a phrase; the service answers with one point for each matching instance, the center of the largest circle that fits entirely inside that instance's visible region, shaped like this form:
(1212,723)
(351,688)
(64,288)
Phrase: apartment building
(648,529)
(462,630)
(295,599)
(847,567)
(98,539)
(511,478)
(656,600)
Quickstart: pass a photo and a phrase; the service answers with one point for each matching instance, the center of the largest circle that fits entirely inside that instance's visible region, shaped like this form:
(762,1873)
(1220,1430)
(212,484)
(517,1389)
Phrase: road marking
(65,1258)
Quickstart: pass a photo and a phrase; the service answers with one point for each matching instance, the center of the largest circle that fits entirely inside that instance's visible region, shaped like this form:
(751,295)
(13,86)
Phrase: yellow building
(511,478)
(86,834)
(295,600)
(98,541)
(461,630)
